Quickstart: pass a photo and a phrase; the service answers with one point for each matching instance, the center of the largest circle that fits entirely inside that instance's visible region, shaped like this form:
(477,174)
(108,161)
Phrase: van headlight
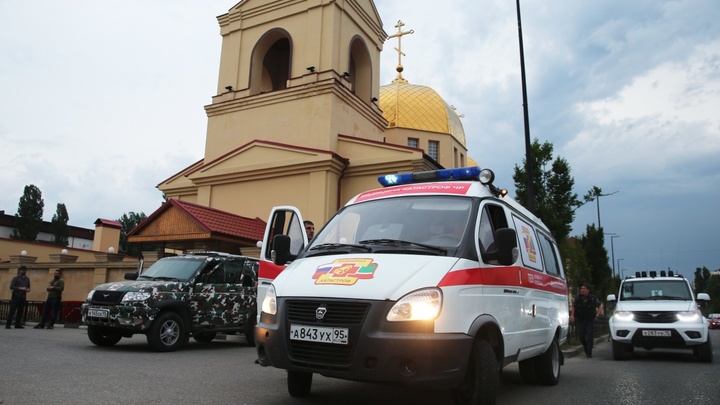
(135,296)
(421,305)
(269,304)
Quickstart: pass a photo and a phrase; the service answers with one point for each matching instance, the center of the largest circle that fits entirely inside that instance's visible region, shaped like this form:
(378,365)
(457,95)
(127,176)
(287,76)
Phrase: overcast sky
(102,100)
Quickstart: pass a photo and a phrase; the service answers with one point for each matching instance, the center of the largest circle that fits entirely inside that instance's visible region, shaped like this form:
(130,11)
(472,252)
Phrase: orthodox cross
(399,35)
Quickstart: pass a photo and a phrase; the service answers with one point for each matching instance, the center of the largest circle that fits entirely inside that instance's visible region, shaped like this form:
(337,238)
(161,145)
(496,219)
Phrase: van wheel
(299,383)
(547,365)
(704,351)
(166,333)
(102,336)
(204,337)
(482,377)
(621,351)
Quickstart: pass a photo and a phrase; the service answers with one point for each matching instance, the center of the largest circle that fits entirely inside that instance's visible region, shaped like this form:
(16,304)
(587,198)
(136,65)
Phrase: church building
(300,118)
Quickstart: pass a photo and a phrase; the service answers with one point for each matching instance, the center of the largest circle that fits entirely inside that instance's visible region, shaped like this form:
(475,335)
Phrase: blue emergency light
(460,173)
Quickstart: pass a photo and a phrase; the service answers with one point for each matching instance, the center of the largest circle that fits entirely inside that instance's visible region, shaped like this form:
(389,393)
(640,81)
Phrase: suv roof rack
(653,274)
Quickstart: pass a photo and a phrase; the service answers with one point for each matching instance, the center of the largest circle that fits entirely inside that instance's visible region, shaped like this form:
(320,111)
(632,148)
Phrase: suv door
(218,296)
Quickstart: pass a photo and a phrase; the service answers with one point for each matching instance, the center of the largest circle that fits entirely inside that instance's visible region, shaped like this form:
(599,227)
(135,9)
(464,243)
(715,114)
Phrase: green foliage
(708,283)
(129,221)
(593,243)
(555,202)
(59,224)
(577,268)
(29,215)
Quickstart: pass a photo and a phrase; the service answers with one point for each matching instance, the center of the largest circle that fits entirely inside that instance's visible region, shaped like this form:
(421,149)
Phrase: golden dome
(411,106)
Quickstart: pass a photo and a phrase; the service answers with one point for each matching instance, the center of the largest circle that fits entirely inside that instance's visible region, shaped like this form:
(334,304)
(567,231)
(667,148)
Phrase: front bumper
(133,318)
(659,335)
(377,350)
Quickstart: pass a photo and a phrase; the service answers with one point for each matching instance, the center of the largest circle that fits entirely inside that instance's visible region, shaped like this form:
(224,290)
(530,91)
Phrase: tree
(577,268)
(555,202)
(29,215)
(129,221)
(593,242)
(59,225)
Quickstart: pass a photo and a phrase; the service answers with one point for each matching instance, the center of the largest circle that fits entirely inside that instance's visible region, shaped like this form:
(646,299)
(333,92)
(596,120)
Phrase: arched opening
(360,69)
(270,62)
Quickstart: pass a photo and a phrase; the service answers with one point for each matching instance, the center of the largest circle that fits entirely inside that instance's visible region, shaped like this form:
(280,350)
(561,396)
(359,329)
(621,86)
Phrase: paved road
(61,366)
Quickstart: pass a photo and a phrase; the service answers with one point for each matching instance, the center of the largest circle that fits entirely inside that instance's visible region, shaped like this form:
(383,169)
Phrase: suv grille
(107,297)
(346,314)
(655,316)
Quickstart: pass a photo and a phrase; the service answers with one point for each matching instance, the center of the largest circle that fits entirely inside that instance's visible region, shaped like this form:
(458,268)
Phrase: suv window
(655,290)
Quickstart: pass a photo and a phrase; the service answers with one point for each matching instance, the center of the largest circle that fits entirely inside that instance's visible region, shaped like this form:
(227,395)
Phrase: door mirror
(505,249)
(281,250)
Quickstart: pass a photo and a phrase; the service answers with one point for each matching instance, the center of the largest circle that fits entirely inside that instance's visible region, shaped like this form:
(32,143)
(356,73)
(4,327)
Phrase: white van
(438,279)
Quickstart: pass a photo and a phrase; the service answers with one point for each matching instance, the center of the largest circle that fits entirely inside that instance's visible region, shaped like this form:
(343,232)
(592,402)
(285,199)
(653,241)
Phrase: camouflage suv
(198,295)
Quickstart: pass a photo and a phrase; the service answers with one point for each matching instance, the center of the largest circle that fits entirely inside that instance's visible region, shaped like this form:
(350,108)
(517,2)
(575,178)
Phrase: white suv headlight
(689,316)
(422,305)
(269,304)
(135,296)
(623,316)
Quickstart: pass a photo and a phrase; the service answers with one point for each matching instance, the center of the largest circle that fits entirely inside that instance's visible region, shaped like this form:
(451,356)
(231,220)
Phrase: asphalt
(573,351)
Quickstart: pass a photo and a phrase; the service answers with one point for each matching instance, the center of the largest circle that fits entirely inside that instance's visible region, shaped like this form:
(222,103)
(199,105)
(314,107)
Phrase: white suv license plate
(657,333)
(97,313)
(337,336)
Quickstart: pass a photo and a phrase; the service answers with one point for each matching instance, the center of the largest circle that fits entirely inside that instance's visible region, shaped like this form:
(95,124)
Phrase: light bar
(460,173)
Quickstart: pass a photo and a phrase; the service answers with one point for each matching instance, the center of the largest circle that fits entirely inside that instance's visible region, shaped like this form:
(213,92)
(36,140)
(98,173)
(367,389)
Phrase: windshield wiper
(397,243)
(333,246)
(165,278)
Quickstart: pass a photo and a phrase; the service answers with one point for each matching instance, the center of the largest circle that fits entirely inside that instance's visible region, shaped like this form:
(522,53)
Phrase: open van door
(283,220)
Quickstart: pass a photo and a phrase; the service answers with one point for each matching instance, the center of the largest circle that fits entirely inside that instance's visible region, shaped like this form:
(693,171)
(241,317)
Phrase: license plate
(97,313)
(656,333)
(337,336)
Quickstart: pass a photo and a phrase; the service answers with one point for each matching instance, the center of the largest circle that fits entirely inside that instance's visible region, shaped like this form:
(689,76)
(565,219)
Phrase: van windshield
(419,222)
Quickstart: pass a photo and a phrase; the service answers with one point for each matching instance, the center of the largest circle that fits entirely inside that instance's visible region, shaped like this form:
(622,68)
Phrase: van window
(528,244)
(492,218)
(550,256)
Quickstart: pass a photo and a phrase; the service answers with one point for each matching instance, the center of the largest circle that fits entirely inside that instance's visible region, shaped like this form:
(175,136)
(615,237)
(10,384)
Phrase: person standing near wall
(52,304)
(20,286)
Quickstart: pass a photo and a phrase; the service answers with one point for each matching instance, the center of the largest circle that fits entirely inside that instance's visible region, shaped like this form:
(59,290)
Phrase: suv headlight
(689,316)
(269,304)
(421,305)
(623,316)
(135,296)
(90,295)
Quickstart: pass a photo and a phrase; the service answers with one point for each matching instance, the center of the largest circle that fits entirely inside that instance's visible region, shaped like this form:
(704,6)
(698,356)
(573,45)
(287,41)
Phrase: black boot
(38,326)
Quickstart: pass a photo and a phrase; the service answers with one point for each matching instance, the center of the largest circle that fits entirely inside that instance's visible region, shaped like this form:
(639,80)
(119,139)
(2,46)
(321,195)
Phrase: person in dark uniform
(52,304)
(583,312)
(20,286)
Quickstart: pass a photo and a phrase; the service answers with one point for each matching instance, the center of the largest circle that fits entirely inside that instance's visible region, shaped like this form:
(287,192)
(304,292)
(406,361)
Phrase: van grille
(320,356)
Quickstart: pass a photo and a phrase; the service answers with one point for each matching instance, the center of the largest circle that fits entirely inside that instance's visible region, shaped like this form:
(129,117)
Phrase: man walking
(583,312)
(52,304)
(20,286)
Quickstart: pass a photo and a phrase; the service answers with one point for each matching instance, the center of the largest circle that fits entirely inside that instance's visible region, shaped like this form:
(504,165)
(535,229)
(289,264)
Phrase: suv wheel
(249,328)
(167,333)
(547,365)
(704,351)
(482,377)
(621,351)
(102,336)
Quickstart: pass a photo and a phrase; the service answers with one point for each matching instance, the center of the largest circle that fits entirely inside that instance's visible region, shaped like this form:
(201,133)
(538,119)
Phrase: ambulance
(438,279)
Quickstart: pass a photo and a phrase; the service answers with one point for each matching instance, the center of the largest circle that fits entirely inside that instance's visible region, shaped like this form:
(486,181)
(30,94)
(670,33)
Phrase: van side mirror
(281,250)
(505,252)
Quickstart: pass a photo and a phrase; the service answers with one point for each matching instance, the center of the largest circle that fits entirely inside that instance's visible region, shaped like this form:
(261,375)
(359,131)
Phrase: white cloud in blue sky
(101,101)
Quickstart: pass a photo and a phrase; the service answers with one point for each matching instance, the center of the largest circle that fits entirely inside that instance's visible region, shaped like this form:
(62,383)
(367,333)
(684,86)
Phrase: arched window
(270,62)
(360,69)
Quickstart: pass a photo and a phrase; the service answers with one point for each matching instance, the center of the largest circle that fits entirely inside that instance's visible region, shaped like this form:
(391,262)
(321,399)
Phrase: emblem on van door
(345,271)
(320,312)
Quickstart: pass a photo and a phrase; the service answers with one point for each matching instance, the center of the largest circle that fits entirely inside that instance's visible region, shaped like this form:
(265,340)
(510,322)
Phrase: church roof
(411,106)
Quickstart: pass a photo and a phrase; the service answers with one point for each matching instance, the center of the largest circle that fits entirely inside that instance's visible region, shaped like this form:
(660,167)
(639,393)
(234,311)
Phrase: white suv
(658,312)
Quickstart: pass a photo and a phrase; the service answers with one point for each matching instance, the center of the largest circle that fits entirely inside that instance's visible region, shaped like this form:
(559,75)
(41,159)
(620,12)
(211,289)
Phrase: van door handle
(509,291)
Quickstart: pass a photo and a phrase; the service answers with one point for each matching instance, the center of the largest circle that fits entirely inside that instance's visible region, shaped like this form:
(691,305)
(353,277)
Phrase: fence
(69,312)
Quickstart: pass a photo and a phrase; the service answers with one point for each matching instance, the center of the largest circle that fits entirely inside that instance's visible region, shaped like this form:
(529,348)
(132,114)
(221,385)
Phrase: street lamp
(597,200)
(619,265)
(612,249)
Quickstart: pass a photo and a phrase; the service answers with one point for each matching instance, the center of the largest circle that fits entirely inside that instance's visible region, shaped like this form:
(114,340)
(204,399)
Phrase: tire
(204,337)
(299,383)
(704,351)
(547,365)
(482,377)
(527,371)
(249,329)
(620,350)
(167,332)
(102,336)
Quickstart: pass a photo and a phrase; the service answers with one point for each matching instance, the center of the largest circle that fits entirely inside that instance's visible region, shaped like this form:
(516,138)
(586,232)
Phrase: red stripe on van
(513,276)
(268,269)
